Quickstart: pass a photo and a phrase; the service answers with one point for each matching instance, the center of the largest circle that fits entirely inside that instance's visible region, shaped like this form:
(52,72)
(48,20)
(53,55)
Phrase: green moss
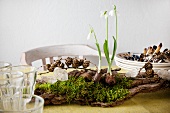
(46,87)
(76,88)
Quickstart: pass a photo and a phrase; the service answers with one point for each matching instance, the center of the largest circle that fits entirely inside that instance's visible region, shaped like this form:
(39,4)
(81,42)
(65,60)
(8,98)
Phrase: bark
(97,77)
(139,85)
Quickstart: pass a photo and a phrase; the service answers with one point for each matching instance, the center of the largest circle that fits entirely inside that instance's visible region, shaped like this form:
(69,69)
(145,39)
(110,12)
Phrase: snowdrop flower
(90,33)
(111,13)
(89,36)
(103,14)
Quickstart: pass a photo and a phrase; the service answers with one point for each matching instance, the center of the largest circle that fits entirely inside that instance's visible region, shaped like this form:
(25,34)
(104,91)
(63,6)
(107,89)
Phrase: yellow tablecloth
(153,102)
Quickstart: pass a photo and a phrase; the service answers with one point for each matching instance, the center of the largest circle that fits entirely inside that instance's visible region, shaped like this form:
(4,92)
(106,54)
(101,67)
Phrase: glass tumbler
(11,84)
(34,106)
(4,66)
(30,75)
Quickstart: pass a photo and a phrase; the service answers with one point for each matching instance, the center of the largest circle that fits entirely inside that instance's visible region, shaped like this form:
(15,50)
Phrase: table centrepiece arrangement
(81,88)
(95,87)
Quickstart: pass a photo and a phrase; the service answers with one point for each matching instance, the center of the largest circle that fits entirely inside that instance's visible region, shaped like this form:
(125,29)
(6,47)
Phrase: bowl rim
(121,59)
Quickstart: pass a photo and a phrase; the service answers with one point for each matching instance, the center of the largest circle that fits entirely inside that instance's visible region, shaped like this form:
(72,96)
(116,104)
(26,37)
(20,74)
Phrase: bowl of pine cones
(153,54)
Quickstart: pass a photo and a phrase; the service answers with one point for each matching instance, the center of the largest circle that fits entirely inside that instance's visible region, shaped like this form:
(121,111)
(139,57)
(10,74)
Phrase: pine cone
(148,66)
(61,65)
(81,62)
(75,63)
(58,62)
(54,65)
(51,69)
(68,61)
(86,64)
(48,66)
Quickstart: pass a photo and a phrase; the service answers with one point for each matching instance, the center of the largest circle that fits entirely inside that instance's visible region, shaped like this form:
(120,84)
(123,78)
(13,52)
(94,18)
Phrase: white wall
(27,24)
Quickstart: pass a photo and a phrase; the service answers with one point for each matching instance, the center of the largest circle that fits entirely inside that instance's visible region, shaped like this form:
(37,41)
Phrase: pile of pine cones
(69,62)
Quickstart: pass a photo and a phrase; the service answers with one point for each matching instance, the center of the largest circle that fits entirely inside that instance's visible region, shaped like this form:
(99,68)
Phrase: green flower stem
(107,32)
(99,52)
(95,36)
(115,44)
(110,69)
(114,49)
(110,60)
(116,21)
(107,23)
(107,28)
(99,66)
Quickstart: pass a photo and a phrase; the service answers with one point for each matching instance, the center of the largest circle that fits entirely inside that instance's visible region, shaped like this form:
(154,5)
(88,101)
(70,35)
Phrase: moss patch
(78,88)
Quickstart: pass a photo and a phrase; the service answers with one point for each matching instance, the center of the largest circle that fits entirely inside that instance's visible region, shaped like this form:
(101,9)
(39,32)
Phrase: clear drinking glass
(11,84)
(34,106)
(30,75)
(4,66)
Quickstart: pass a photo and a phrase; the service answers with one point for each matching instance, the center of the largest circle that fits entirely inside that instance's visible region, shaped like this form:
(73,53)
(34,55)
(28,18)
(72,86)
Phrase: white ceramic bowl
(129,64)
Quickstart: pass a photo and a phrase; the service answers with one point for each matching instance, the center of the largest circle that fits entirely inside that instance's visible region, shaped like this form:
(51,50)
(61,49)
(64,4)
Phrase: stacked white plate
(130,65)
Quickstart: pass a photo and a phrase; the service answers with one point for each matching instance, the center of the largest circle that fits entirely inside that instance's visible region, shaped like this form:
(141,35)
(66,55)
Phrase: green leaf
(99,51)
(106,51)
(114,49)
